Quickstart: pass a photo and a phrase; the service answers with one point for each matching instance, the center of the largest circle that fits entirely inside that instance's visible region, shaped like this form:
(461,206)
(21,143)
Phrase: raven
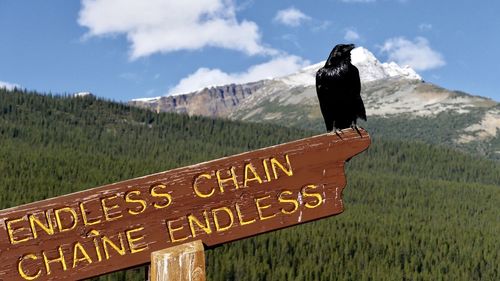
(338,88)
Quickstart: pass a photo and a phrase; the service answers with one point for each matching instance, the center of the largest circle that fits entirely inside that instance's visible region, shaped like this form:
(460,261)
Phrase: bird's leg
(335,131)
(355,127)
(338,132)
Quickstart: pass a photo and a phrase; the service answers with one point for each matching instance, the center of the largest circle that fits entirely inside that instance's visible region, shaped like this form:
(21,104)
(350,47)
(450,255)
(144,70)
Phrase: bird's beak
(351,46)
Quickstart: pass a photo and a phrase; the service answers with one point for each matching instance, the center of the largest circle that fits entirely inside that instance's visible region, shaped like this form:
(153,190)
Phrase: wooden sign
(117,226)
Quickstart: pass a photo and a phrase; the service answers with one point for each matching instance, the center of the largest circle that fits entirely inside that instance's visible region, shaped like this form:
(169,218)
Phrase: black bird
(338,87)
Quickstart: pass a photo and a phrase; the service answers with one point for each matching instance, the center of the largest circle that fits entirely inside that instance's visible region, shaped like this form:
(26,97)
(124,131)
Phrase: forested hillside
(413,211)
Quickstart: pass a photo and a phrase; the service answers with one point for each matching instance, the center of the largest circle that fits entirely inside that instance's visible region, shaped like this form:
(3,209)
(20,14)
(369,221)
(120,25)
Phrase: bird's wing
(359,107)
(323,92)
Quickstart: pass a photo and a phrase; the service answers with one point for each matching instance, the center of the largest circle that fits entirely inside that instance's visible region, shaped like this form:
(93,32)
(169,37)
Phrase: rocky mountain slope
(399,104)
(217,101)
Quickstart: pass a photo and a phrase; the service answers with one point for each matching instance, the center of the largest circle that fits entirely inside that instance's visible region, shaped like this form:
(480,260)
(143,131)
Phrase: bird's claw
(355,127)
(338,132)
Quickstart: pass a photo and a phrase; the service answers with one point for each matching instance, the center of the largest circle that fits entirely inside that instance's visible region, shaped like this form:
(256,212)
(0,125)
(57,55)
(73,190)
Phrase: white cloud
(417,54)
(351,35)
(425,26)
(320,26)
(8,86)
(205,77)
(291,17)
(166,26)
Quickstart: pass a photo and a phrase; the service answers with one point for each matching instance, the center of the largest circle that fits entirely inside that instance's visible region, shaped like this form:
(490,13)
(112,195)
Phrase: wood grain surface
(185,262)
(119,225)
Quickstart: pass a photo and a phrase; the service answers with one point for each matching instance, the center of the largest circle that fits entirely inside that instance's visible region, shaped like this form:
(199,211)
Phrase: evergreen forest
(414,211)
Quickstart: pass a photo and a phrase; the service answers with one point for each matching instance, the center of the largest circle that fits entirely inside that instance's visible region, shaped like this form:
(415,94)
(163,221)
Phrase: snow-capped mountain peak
(370,69)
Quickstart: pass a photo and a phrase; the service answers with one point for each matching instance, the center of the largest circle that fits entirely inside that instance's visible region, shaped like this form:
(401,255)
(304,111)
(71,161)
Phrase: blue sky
(124,49)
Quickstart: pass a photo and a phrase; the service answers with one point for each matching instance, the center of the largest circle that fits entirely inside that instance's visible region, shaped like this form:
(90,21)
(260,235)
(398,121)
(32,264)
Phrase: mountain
(222,101)
(398,102)
(212,102)
(413,211)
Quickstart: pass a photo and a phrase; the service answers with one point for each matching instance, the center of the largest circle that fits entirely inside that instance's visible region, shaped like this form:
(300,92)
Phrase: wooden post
(185,262)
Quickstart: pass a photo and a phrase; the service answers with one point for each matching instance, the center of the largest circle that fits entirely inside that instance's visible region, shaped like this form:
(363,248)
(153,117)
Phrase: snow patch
(148,100)
(82,94)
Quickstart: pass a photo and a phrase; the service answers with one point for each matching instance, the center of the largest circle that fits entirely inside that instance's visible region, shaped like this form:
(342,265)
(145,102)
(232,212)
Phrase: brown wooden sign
(117,226)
